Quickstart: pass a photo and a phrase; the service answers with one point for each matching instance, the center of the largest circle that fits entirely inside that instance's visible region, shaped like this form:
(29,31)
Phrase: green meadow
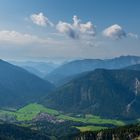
(29,112)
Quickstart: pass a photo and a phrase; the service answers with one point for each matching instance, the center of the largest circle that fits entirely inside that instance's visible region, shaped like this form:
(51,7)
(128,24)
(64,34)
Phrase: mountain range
(84,89)
(108,92)
(63,73)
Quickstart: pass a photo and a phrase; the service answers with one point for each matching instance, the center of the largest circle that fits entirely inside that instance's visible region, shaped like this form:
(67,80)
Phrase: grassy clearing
(93,119)
(90,128)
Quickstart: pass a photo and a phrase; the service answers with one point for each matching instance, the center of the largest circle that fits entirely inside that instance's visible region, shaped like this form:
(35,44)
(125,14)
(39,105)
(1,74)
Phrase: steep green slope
(107,93)
(18,87)
(30,111)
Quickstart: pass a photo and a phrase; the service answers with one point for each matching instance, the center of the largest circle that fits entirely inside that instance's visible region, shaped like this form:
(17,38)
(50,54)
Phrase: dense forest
(15,132)
(130,132)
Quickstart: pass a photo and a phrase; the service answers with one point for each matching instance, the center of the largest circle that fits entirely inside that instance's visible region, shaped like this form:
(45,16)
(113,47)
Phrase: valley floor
(56,124)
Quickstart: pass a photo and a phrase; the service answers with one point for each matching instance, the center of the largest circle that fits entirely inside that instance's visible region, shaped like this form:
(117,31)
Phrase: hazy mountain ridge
(38,68)
(78,66)
(133,67)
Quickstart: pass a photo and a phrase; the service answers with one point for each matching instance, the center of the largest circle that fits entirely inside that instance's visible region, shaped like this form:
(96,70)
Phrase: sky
(69,29)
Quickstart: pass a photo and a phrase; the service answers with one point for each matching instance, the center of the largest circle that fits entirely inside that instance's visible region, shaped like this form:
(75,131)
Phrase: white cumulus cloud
(68,29)
(41,20)
(114,32)
(77,29)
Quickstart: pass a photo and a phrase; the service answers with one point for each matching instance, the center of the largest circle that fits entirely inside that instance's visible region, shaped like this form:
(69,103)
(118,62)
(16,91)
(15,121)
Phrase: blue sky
(38,29)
